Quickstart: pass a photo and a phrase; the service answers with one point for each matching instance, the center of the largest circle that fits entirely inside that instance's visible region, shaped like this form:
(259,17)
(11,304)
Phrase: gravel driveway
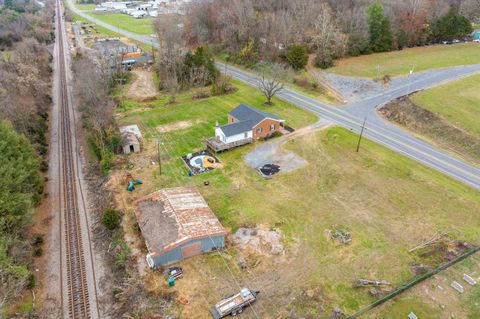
(271,152)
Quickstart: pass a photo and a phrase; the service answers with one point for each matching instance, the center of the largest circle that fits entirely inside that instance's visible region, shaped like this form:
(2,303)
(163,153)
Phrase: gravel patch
(271,152)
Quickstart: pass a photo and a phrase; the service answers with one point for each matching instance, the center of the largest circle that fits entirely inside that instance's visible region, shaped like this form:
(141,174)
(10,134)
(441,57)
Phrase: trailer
(234,305)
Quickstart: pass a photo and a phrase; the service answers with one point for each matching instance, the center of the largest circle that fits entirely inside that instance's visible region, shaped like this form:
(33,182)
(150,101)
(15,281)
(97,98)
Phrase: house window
(259,130)
(272,127)
(246,135)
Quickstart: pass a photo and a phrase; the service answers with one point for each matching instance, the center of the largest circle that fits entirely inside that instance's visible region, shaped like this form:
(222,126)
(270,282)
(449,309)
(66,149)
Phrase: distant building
(245,124)
(177,223)
(476,34)
(130,138)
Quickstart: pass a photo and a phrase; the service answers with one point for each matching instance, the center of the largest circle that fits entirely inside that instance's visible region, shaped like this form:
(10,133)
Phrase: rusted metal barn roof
(172,216)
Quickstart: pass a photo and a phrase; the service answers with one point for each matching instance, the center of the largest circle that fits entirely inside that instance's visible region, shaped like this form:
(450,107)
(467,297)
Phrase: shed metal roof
(172,216)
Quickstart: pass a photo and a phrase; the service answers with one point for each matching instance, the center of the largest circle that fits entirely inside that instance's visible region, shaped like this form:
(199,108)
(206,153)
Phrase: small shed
(177,223)
(130,143)
(130,137)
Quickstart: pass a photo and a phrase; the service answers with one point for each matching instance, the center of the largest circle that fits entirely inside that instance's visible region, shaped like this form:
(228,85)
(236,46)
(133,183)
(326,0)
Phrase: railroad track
(74,256)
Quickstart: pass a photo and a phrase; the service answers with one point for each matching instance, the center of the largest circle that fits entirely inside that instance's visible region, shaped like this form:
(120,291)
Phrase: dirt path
(272,152)
(143,88)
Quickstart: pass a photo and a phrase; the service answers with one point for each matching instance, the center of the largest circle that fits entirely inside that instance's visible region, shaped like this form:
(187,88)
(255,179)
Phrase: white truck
(233,305)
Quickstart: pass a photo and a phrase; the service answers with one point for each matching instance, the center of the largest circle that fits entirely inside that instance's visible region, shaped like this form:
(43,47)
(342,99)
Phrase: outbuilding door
(192,250)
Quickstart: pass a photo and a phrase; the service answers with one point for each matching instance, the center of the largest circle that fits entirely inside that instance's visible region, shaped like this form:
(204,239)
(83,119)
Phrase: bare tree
(471,10)
(173,86)
(327,39)
(271,84)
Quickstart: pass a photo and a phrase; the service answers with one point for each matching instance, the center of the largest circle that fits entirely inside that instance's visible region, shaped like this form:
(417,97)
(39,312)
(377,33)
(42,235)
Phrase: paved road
(377,129)
(140,38)
(352,115)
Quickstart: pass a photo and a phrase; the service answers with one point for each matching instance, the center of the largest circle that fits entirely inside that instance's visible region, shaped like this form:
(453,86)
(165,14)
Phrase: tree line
(26,31)
(247,31)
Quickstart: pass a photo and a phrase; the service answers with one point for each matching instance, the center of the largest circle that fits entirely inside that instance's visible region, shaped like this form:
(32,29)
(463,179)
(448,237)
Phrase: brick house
(247,122)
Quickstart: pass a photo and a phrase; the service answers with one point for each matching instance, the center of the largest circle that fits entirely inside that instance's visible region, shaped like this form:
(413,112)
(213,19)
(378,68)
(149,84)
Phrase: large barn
(177,223)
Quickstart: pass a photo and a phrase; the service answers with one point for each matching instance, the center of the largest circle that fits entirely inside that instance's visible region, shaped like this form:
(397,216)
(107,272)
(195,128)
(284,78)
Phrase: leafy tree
(402,39)
(450,26)
(22,183)
(200,67)
(297,56)
(357,44)
(248,53)
(19,191)
(381,38)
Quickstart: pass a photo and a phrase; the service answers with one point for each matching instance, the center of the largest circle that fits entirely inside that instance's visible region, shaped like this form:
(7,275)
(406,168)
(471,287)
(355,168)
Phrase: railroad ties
(78,303)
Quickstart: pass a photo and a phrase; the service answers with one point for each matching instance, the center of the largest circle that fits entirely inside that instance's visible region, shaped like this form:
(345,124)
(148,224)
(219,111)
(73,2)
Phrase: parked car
(175,272)
(476,40)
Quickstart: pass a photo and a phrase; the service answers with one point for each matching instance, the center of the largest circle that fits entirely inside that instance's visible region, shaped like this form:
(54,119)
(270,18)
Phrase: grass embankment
(123,21)
(457,102)
(85,6)
(401,62)
(447,115)
(388,202)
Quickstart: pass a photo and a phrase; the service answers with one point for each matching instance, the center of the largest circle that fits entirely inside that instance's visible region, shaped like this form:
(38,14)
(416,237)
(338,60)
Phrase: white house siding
(230,139)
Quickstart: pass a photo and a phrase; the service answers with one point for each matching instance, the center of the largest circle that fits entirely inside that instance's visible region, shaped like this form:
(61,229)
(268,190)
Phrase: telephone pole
(361,134)
(159,157)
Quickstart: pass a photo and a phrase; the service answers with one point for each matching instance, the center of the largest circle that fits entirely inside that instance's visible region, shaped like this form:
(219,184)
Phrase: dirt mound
(266,242)
(405,112)
(143,88)
(174,126)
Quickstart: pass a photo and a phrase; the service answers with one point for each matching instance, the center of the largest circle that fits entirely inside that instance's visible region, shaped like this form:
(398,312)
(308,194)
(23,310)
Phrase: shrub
(110,219)
(37,240)
(38,252)
(324,60)
(123,255)
(297,56)
(106,161)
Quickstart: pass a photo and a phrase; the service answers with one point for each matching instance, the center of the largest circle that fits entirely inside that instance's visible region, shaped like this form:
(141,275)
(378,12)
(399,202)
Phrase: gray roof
(248,117)
(236,128)
(245,112)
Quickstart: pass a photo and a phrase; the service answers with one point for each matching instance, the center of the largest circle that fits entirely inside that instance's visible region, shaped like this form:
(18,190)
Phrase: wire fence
(412,283)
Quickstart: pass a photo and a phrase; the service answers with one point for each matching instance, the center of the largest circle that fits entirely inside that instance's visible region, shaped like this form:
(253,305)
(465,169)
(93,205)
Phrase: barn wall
(208,244)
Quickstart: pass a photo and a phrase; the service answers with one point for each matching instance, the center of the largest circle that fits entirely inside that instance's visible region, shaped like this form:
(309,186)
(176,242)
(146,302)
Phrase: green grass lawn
(400,62)
(126,22)
(85,6)
(457,102)
(387,201)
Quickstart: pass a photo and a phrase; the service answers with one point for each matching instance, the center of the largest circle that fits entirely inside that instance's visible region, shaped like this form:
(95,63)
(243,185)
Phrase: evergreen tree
(450,26)
(22,182)
(381,38)
(297,56)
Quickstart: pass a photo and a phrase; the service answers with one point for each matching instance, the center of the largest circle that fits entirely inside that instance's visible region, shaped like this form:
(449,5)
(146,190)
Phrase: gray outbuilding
(177,223)
(130,138)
